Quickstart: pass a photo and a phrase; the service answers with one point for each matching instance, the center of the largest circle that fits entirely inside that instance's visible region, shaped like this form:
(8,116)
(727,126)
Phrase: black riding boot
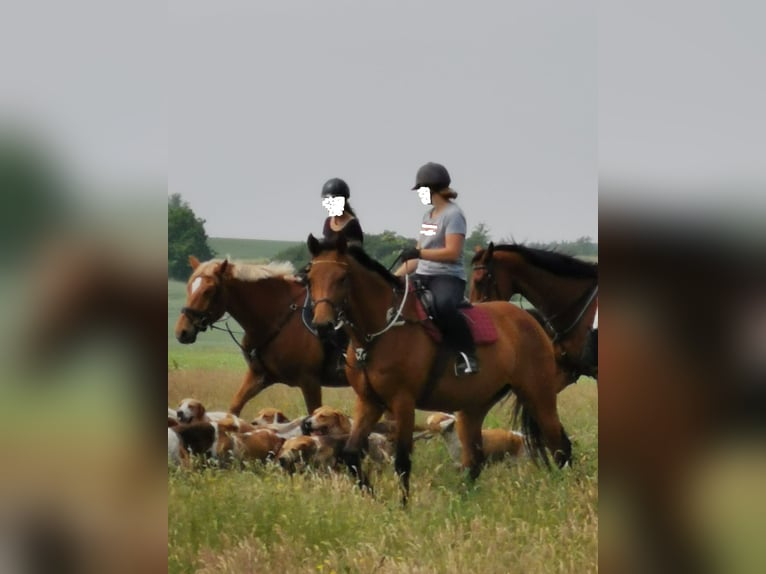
(466,362)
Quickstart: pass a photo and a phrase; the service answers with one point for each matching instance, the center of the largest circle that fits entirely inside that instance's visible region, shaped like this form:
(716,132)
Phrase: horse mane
(366,261)
(551,261)
(359,255)
(252,272)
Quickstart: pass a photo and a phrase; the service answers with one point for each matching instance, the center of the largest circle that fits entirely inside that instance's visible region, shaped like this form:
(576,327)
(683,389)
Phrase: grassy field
(516,518)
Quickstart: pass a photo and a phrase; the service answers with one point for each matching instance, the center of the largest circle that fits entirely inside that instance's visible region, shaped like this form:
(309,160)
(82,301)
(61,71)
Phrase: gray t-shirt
(433,232)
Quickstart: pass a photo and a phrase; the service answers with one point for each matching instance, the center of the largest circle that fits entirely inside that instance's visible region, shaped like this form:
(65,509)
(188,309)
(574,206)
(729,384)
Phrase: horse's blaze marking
(195,284)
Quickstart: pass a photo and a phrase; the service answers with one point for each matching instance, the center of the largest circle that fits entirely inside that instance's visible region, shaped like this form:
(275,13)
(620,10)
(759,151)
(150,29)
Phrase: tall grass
(515,518)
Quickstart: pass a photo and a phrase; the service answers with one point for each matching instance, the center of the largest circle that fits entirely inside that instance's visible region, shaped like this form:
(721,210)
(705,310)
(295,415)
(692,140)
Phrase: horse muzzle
(187,336)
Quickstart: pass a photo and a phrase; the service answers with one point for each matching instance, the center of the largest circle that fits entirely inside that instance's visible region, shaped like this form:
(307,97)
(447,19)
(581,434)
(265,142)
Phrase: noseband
(200,320)
(338,310)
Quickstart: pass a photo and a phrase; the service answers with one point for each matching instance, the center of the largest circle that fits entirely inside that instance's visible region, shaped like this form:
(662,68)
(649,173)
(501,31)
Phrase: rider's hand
(410,253)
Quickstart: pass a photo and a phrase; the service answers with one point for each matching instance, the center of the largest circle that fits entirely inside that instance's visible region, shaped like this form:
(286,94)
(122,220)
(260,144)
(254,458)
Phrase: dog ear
(313,245)
(343,423)
(279,417)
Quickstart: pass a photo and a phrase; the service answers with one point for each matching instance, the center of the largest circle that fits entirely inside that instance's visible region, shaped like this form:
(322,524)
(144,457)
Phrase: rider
(341,218)
(438,261)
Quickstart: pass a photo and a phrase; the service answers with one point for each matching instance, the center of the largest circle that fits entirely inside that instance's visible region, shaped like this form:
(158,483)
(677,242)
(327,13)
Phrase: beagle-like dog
(319,452)
(327,421)
(496,443)
(192,410)
(269,416)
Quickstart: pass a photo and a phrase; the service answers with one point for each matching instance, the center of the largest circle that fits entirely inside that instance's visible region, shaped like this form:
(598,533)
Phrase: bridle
(489,276)
(341,315)
(338,310)
(202,320)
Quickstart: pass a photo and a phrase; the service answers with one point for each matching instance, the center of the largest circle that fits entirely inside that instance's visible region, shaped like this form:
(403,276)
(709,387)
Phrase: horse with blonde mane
(266,300)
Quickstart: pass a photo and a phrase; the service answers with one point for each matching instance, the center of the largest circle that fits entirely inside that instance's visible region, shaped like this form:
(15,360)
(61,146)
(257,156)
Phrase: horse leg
(312,394)
(251,386)
(541,420)
(404,413)
(469,432)
(366,414)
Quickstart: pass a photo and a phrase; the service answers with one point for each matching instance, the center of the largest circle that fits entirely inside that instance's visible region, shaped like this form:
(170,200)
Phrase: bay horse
(395,364)
(563,288)
(266,301)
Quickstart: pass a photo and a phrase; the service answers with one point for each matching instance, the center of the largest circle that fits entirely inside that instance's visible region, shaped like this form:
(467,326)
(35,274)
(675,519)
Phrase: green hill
(249,249)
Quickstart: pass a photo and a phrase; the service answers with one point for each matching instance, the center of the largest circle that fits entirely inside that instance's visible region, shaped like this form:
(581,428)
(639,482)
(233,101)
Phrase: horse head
(328,282)
(204,299)
(483,280)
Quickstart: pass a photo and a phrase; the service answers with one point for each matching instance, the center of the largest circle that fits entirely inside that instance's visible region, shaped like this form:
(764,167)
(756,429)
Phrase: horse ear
(313,244)
(194,262)
(222,268)
(490,249)
(478,249)
(341,244)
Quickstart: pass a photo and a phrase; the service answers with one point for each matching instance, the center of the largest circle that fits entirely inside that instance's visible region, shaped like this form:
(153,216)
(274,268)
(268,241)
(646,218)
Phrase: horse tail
(533,436)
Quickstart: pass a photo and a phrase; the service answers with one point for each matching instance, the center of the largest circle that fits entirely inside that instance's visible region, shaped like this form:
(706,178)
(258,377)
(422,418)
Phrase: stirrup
(469,365)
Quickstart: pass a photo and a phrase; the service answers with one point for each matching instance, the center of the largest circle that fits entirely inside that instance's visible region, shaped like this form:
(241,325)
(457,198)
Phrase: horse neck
(552,294)
(369,298)
(257,304)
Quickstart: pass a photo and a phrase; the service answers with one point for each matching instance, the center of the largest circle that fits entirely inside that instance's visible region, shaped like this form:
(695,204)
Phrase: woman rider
(438,261)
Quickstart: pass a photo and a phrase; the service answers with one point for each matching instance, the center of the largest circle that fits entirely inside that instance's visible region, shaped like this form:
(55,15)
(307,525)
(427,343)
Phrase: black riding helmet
(433,175)
(336,187)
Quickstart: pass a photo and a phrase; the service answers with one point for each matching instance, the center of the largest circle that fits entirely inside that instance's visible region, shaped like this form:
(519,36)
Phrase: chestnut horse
(563,288)
(266,301)
(395,364)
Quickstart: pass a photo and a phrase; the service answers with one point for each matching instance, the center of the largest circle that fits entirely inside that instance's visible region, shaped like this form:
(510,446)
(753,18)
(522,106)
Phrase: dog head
(327,421)
(297,452)
(190,410)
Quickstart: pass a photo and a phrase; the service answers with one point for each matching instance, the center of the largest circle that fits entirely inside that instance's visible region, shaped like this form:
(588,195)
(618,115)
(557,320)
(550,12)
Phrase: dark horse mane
(556,263)
(366,261)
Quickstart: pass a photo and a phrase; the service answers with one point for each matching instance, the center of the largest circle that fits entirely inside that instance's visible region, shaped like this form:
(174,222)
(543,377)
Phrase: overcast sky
(270,99)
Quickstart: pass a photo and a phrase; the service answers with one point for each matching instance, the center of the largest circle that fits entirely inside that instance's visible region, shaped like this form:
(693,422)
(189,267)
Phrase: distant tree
(386,246)
(478,237)
(186,236)
(383,246)
(298,255)
(582,246)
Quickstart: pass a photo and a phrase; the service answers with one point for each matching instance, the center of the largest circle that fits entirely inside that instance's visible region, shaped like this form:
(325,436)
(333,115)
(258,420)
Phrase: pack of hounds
(311,442)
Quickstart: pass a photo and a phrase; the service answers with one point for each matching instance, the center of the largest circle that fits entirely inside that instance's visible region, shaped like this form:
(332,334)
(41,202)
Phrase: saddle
(479,322)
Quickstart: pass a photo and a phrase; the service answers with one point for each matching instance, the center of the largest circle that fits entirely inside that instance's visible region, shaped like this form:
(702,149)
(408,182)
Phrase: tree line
(187,236)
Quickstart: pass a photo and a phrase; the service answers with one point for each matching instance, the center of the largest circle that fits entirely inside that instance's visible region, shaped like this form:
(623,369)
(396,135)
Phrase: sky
(268,100)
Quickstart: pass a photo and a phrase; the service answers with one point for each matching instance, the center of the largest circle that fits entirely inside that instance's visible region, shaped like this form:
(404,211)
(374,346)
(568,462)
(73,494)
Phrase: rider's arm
(450,253)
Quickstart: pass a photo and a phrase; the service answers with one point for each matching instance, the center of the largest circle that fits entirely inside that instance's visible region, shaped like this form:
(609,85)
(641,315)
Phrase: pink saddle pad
(481,325)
